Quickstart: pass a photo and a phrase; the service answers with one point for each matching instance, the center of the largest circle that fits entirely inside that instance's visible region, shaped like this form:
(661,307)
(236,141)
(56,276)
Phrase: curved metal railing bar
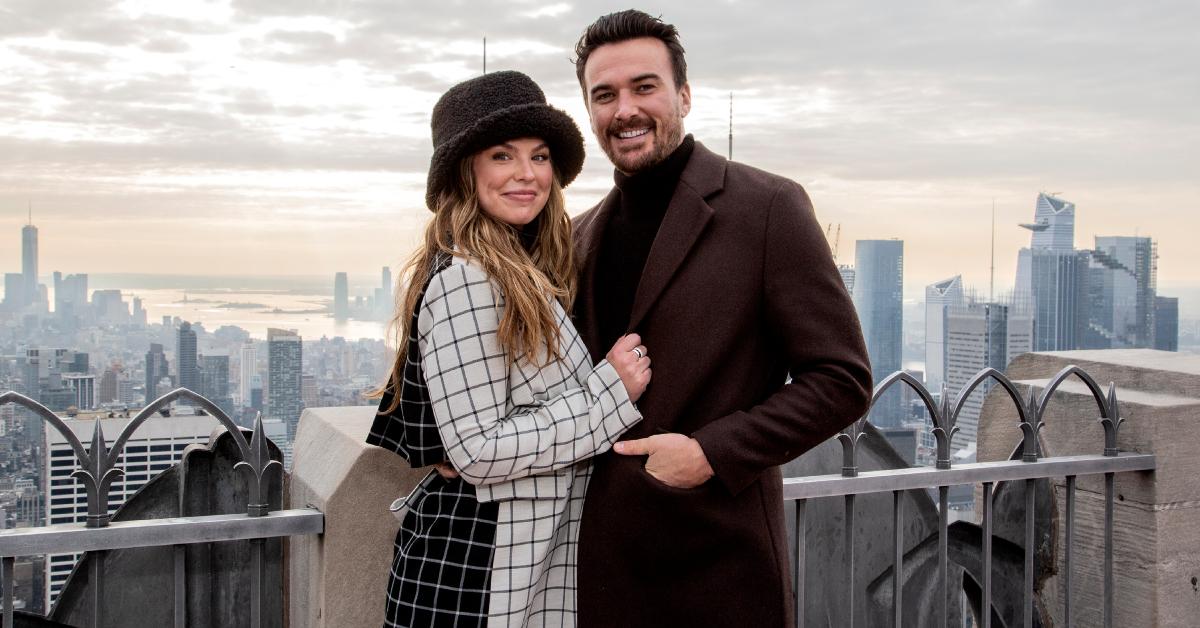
(850,436)
(98,466)
(48,416)
(1061,377)
(1023,412)
(171,397)
(907,378)
(978,380)
(944,412)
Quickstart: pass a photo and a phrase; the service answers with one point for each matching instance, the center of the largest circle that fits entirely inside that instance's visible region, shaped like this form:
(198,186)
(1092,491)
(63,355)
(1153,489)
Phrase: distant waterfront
(252,303)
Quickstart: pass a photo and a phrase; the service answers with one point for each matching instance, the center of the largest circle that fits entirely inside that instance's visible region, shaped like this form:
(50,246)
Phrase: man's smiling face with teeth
(636,111)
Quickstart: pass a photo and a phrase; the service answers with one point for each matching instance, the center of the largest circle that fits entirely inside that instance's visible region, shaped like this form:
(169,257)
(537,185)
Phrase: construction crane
(835,239)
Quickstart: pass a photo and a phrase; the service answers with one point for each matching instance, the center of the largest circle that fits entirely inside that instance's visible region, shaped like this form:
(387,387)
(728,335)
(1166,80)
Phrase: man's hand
(674,459)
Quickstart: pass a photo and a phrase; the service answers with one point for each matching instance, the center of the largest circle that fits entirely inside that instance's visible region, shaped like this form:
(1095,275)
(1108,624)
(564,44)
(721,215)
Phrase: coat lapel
(590,234)
(686,218)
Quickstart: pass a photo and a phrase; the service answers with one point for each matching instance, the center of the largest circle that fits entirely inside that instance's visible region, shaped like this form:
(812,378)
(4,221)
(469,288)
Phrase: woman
(494,385)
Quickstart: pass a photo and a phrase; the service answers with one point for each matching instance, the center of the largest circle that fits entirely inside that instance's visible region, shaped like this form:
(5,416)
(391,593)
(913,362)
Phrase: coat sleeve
(468,380)
(810,314)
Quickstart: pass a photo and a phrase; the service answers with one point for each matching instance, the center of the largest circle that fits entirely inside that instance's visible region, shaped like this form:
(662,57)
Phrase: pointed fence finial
(1031,425)
(849,438)
(97,473)
(258,463)
(944,428)
(1112,422)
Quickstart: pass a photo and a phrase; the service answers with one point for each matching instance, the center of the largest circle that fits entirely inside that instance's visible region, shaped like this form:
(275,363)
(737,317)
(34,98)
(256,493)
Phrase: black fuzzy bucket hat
(491,109)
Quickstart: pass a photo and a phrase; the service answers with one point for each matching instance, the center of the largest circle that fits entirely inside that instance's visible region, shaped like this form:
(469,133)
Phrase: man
(726,274)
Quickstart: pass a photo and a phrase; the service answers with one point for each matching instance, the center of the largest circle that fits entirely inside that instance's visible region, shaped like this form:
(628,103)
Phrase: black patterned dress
(497,545)
(445,529)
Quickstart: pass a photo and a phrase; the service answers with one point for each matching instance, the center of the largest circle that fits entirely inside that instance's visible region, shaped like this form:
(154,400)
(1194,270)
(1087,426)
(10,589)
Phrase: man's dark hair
(625,25)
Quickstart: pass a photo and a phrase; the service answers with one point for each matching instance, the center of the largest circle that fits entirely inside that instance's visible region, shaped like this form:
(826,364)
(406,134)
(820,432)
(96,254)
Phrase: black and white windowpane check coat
(521,434)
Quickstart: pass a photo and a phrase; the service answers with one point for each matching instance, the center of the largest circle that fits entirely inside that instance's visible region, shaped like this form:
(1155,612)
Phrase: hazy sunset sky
(292,136)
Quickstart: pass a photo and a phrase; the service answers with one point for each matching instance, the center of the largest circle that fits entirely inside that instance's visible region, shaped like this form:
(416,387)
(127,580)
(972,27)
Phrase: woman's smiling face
(513,179)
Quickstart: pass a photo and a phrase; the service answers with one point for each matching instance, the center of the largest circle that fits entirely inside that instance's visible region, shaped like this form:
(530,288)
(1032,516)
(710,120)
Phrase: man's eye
(645,88)
(603,97)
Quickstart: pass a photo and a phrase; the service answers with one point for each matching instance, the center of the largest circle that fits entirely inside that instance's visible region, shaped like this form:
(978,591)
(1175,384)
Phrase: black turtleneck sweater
(644,197)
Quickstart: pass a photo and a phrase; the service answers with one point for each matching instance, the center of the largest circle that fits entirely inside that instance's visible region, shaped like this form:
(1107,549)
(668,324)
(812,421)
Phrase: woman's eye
(501,156)
(542,157)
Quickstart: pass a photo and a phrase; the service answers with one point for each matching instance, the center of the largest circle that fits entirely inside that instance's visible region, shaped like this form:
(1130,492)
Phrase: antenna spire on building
(485,55)
(992,282)
(730,126)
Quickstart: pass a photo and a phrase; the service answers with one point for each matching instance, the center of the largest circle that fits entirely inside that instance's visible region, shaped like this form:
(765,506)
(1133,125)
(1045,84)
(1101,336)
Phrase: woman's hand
(445,470)
(632,362)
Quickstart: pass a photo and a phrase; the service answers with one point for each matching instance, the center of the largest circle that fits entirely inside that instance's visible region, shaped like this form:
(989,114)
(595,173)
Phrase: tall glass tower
(1121,293)
(284,376)
(187,365)
(29,263)
(341,297)
(1052,277)
(878,297)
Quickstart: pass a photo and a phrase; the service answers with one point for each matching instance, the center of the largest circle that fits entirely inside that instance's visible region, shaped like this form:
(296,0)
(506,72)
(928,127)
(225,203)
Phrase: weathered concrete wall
(339,579)
(1157,515)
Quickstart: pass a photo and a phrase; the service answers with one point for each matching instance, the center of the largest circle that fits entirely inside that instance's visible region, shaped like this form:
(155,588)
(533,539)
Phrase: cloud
(883,109)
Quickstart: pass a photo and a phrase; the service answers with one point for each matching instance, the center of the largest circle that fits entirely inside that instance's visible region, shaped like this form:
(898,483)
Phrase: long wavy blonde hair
(528,280)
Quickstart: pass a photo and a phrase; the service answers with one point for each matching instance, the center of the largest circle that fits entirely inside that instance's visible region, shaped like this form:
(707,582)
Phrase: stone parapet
(1156,536)
(339,579)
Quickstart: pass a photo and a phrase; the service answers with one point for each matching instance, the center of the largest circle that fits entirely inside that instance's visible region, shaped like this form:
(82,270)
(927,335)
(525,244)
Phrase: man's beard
(667,138)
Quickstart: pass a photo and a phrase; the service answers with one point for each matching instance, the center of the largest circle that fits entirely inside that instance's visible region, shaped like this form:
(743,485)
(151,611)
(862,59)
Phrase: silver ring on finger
(638,352)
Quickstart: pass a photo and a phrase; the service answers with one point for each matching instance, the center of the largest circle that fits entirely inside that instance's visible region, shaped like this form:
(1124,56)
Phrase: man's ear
(685,99)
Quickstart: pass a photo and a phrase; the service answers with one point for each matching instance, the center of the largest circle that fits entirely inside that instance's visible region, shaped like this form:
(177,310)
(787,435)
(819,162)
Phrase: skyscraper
(1052,277)
(1053,224)
(70,294)
(29,262)
(284,371)
(878,297)
(84,387)
(156,370)
(214,381)
(139,312)
(108,390)
(14,291)
(341,297)
(247,368)
(110,307)
(1121,291)
(1059,295)
(938,297)
(847,273)
(383,296)
(1166,323)
(978,336)
(187,368)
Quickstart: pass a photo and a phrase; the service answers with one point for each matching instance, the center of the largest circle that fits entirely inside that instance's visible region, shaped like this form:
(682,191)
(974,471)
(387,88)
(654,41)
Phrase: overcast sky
(292,136)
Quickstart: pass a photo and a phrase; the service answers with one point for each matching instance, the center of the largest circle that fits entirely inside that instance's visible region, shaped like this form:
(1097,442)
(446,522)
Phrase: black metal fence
(97,470)
(991,475)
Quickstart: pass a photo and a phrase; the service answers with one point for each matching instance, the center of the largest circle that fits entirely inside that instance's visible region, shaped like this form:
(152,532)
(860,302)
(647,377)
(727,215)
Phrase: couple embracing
(573,484)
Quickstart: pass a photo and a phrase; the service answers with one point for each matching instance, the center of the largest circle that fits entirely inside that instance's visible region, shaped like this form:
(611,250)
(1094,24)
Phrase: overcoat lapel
(591,235)
(685,220)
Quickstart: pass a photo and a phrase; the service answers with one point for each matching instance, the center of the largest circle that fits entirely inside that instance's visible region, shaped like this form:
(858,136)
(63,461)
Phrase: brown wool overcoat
(739,292)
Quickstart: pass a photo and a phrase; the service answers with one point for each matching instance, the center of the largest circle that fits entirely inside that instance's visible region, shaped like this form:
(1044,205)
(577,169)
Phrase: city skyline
(293,139)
